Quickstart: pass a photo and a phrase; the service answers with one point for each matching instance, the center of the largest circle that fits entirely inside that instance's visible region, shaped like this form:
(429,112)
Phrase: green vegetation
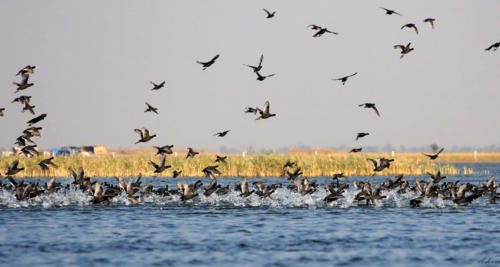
(237,165)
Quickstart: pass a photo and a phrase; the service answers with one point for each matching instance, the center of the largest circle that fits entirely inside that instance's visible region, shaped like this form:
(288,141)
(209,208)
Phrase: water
(289,229)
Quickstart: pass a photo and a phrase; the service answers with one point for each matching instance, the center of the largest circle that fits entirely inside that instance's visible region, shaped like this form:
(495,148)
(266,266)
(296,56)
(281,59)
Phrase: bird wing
(376,110)
(154,164)
(267,11)
(162,162)
(352,74)
(402,47)
(145,131)
(14,164)
(216,57)
(331,31)
(266,107)
(374,162)
(440,151)
(261,58)
(26,76)
(138,131)
(415,28)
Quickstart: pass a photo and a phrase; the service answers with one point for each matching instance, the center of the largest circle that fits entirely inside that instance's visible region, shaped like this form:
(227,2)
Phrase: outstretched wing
(374,162)
(138,131)
(216,57)
(267,11)
(376,110)
(440,151)
(266,107)
(260,61)
(352,74)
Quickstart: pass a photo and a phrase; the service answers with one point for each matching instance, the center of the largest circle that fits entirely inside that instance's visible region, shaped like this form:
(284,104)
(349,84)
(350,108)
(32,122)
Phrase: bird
(344,79)
(26,69)
(258,67)
(434,156)
(269,14)
(436,178)
(320,30)
(144,133)
(289,164)
(35,131)
(157,86)
(22,99)
(24,83)
(244,188)
(45,163)
(13,168)
(360,135)
(251,110)
(176,173)
(162,150)
(431,21)
(264,114)
(222,134)
(390,12)
(159,168)
(372,106)
(355,150)
(30,151)
(151,108)
(221,159)
(493,46)
(37,119)
(211,171)
(410,25)
(1,111)
(208,63)
(405,49)
(380,164)
(263,77)
(191,153)
(28,107)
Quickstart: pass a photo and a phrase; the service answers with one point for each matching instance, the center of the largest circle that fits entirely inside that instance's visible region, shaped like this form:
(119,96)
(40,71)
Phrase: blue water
(287,230)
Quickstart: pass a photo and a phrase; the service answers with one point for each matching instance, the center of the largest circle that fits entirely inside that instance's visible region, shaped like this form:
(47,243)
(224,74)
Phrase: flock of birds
(460,194)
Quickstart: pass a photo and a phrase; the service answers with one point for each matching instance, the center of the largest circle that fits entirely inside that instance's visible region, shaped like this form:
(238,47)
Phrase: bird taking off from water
(434,156)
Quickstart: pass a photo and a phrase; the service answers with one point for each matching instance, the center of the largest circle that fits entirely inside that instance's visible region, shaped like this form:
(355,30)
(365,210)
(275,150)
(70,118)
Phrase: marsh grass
(269,165)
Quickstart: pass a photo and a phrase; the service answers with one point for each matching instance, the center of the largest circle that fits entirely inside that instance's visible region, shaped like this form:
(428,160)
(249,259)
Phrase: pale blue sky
(95,60)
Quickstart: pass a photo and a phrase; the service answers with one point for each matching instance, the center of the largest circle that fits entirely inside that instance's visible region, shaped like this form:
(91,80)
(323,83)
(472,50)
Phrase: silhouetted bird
(176,173)
(211,171)
(1,111)
(436,178)
(258,67)
(20,141)
(151,108)
(37,119)
(221,159)
(26,69)
(22,99)
(320,30)
(208,63)
(361,135)
(264,114)
(157,86)
(380,164)
(404,49)
(372,106)
(289,164)
(24,83)
(410,25)
(144,133)
(431,21)
(191,153)
(356,150)
(344,79)
(261,78)
(434,156)
(162,150)
(494,46)
(390,12)
(13,169)
(222,134)
(35,131)
(159,168)
(269,14)
(29,108)
(44,164)
(30,151)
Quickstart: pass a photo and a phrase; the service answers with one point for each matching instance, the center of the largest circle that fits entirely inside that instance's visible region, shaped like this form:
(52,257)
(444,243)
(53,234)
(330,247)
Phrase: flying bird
(159,168)
(355,150)
(263,77)
(144,133)
(264,114)
(208,63)
(162,150)
(494,46)
(33,131)
(13,169)
(176,173)
(361,135)
(211,171)
(22,99)
(380,164)
(251,110)
(372,106)
(390,12)
(1,111)
(37,119)
(434,156)
(269,14)
(24,83)
(30,151)
(410,25)
(191,153)
(320,30)
(431,21)
(222,134)
(258,67)
(46,163)
(404,49)
(344,79)
(28,107)
(221,159)
(157,86)
(151,108)
(289,164)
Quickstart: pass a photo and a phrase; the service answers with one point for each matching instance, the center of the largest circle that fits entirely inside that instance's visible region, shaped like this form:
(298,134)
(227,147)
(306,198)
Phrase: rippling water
(288,229)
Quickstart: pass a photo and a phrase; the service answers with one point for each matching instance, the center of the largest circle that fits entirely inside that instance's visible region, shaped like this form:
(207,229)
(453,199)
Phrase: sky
(94,61)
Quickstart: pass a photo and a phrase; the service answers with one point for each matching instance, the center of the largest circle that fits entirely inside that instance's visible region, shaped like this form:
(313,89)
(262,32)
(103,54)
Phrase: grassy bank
(251,165)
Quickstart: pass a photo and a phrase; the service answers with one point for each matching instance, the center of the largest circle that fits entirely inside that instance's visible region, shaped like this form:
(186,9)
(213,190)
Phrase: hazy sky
(94,61)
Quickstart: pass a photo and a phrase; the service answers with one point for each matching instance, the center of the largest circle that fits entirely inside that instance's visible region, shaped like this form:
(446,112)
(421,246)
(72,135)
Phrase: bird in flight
(159,168)
(191,153)
(144,133)
(28,107)
(372,106)
(404,49)
(157,86)
(434,156)
(361,135)
(493,46)
(28,68)
(151,108)
(222,134)
(24,83)
(258,67)
(431,21)
(320,30)
(269,14)
(356,150)
(263,77)
(410,25)
(37,119)
(46,163)
(162,150)
(344,79)
(208,63)
(380,164)
(264,114)
(390,12)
